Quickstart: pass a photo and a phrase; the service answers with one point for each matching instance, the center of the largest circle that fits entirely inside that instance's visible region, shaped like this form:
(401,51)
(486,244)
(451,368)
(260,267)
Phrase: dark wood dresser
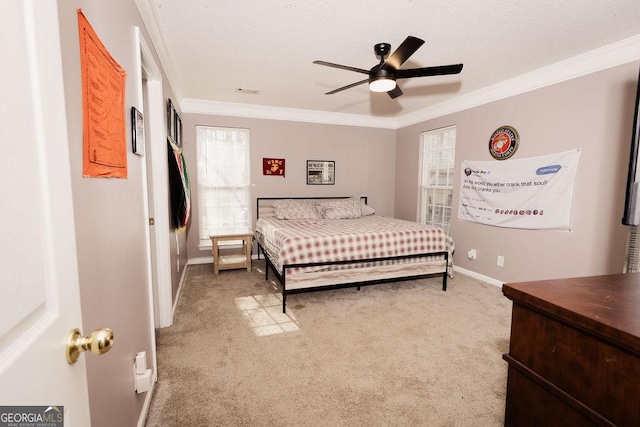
(574,355)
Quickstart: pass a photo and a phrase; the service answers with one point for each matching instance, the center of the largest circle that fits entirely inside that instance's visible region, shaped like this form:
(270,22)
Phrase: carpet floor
(396,354)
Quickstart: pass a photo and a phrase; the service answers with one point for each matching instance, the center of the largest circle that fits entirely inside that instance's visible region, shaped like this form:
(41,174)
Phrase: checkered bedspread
(321,240)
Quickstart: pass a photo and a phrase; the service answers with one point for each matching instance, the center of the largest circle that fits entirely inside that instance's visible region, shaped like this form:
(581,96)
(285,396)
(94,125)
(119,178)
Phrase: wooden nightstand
(234,258)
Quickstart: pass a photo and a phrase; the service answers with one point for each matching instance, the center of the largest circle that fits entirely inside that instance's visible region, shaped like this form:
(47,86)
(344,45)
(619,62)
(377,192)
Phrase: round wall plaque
(503,143)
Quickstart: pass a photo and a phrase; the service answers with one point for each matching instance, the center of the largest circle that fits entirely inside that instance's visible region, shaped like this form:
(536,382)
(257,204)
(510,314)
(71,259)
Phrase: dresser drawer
(576,363)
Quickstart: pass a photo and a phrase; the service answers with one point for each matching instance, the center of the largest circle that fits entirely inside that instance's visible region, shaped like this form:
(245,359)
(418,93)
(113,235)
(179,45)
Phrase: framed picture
(137,132)
(178,131)
(273,167)
(321,172)
(171,121)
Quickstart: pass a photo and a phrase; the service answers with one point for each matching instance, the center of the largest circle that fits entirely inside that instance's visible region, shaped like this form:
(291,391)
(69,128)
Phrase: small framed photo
(178,138)
(137,132)
(171,121)
(321,172)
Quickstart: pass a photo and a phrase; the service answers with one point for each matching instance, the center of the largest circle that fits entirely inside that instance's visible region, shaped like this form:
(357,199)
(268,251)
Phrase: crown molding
(150,19)
(619,53)
(203,106)
(615,54)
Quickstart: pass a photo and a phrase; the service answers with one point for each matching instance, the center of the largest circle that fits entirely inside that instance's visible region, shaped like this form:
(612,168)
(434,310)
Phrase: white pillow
(295,209)
(342,209)
(366,210)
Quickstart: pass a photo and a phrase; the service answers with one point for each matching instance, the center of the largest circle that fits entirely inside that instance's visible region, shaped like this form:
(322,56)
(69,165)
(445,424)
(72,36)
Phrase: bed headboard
(264,208)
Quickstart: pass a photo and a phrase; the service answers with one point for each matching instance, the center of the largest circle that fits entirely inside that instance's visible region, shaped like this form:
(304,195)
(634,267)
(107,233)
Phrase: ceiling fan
(383,76)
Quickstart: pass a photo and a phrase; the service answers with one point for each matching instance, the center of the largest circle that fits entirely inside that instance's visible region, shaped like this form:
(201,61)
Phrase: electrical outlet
(500,261)
(472,254)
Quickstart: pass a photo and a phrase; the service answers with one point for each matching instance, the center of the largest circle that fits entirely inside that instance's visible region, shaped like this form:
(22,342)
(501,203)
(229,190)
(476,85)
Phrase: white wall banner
(533,193)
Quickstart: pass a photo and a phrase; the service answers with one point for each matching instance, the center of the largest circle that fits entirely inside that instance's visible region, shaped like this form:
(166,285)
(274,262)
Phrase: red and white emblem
(503,142)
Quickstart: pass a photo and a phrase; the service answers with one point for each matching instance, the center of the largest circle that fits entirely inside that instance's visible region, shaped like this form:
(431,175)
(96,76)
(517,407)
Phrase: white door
(39,289)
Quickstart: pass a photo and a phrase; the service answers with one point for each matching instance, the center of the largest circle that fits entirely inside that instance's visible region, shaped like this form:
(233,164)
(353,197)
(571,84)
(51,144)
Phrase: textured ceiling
(215,47)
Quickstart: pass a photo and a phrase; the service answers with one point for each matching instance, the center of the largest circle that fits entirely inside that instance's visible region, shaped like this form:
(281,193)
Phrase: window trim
(423,187)
(204,243)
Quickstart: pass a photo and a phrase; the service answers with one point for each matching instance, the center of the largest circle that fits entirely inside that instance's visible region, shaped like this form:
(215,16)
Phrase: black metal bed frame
(282,278)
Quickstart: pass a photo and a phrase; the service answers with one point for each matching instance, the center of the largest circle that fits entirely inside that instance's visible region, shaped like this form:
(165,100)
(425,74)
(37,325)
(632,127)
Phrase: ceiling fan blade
(403,52)
(395,92)
(340,89)
(342,67)
(429,71)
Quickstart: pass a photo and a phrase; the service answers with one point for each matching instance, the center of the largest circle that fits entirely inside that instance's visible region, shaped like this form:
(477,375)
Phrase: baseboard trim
(200,260)
(180,286)
(147,404)
(209,259)
(489,280)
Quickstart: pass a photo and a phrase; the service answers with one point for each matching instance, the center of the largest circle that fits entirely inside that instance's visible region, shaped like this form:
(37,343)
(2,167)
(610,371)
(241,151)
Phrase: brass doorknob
(98,342)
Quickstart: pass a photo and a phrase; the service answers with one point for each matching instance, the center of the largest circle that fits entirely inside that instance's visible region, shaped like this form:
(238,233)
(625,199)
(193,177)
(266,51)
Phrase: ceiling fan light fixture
(382,84)
(382,77)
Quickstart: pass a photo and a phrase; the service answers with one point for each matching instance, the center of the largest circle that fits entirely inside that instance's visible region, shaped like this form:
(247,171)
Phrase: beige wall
(593,113)
(110,222)
(365,161)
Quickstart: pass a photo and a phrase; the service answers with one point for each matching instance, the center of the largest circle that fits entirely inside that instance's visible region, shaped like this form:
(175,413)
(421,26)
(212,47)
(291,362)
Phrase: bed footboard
(337,274)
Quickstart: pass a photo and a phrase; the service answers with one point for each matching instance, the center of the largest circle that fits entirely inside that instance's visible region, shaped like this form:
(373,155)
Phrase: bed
(314,244)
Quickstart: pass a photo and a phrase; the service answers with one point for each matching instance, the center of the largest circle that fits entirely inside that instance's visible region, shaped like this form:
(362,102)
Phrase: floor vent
(633,251)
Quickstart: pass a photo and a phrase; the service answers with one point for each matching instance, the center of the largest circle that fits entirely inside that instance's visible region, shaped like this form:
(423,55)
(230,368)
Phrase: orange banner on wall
(103,92)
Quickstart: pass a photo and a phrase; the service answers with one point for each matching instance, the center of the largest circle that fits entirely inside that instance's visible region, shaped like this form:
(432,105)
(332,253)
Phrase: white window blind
(438,153)
(224,181)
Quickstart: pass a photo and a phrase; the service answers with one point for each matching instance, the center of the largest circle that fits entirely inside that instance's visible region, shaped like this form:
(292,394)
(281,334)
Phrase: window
(224,181)
(438,152)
